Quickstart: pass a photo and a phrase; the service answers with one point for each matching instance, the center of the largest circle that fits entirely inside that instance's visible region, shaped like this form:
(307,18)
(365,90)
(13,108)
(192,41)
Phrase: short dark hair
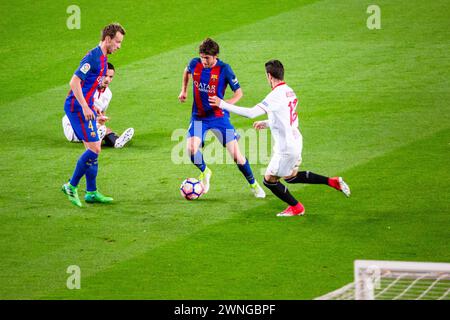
(111,30)
(209,47)
(275,69)
(110,66)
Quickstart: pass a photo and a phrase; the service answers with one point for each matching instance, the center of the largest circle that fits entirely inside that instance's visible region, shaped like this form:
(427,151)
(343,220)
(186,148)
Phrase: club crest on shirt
(85,68)
(93,134)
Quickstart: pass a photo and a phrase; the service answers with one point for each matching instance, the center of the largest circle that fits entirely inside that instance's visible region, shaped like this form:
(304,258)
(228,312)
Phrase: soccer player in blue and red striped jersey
(210,77)
(81,111)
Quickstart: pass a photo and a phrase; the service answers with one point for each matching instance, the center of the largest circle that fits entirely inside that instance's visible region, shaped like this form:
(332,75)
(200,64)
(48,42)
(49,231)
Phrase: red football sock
(334,182)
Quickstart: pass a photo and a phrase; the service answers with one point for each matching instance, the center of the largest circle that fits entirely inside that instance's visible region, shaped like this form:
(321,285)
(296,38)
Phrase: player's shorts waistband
(210,118)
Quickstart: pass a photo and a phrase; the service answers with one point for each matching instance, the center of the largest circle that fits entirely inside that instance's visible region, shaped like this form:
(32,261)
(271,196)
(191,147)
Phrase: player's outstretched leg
(110,139)
(92,194)
(312,178)
(339,184)
(281,191)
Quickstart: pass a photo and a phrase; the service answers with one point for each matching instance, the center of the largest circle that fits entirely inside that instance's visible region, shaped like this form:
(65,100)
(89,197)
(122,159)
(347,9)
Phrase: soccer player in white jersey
(102,98)
(280,106)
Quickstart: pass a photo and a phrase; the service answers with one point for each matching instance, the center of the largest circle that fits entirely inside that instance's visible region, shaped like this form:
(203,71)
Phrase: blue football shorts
(221,127)
(85,130)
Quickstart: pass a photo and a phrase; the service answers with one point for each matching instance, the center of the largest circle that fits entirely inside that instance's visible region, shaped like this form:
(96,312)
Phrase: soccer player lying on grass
(211,76)
(82,114)
(102,98)
(280,106)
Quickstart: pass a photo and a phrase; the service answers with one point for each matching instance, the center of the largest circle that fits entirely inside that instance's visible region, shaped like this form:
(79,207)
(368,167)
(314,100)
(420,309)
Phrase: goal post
(395,280)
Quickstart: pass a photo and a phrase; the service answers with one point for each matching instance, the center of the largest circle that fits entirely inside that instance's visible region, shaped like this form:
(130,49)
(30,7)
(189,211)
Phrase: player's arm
(238,94)
(102,117)
(234,85)
(75,85)
(183,94)
(251,113)
(102,105)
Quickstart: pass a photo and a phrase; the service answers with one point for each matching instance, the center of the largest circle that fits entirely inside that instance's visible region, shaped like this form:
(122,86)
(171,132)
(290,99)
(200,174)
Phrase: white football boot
(124,138)
(257,190)
(344,187)
(205,177)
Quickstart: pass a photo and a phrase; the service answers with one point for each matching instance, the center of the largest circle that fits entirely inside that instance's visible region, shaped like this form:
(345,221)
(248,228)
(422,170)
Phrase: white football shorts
(283,164)
(68,131)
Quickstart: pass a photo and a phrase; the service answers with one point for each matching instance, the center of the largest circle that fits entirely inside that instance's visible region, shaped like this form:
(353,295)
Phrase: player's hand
(183,96)
(97,110)
(258,125)
(214,101)
(102,119)
(88,114)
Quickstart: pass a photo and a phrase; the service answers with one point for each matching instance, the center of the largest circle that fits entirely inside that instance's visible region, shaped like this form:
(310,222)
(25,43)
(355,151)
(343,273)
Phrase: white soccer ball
(191,189)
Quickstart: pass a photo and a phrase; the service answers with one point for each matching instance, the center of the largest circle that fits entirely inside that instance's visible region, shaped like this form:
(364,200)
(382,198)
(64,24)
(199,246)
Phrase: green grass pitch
(374,108)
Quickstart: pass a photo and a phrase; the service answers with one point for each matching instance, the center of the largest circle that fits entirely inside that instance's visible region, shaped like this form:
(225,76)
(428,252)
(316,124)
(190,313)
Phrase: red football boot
(339,184)
(297,210)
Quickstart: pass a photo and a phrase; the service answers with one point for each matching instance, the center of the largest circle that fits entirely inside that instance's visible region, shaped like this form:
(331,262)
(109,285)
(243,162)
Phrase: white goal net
(395,280)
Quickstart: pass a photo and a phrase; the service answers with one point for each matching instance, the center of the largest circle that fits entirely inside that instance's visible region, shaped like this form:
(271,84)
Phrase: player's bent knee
(96,150)
(270,179)
(94,146)
(240,160)
(235,152)
(192,146)
(288,178)
(191,150)
(238,157)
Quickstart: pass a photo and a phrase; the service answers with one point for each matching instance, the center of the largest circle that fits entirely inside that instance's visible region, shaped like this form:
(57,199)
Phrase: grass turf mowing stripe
(342,129)
(255,255)
(44,55)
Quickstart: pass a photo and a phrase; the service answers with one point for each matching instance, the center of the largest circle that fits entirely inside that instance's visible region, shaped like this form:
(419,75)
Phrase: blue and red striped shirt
(210,82)
(91,71)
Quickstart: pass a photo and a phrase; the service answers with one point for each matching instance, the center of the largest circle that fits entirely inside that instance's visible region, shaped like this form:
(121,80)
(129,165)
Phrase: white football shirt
(280,106)
(102,99)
